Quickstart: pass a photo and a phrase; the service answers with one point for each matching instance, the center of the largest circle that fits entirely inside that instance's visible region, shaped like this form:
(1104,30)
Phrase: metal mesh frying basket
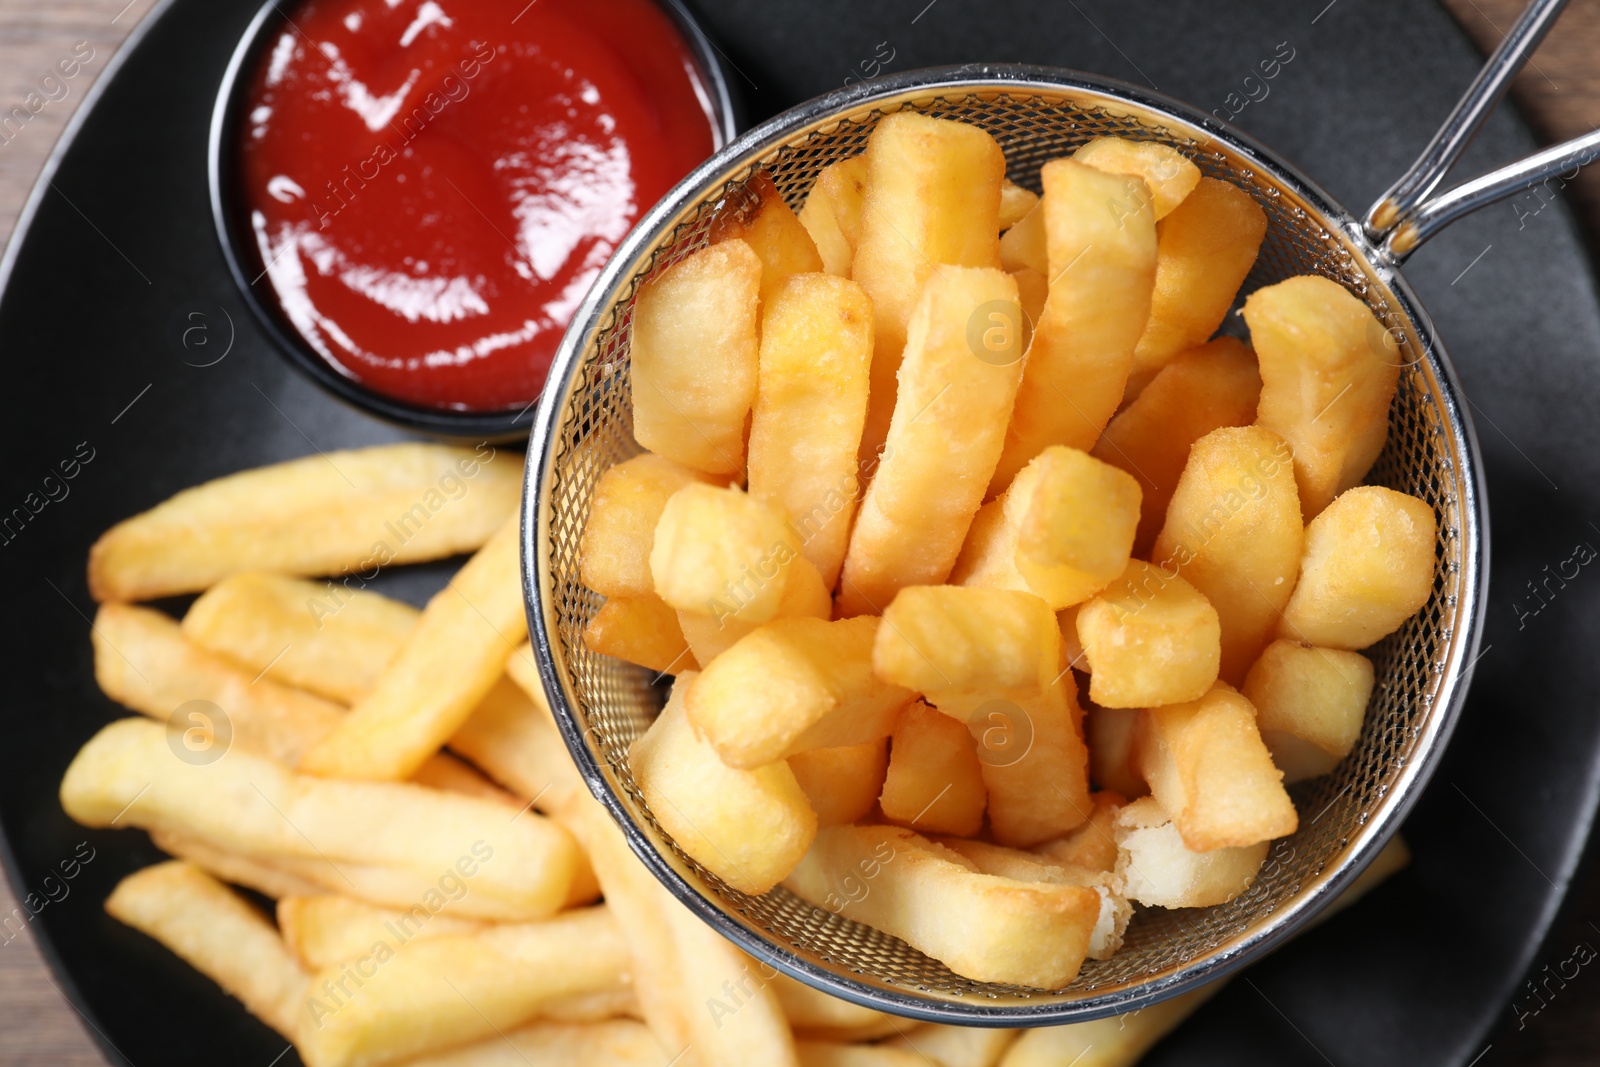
(602,704)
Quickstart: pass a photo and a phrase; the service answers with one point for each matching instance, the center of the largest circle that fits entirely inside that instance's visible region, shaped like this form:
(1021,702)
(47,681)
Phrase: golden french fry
(721,553)
(522,868)
(1329,371)
(269,877)
(757,215)
(1119,1041)
(1035,765)
(838,1054)
(511,736)
(217,934)
(749,827)
(354,511)
(1090,845)
(1169,174)
(842,784)
(642,630)
(935,782)
(811,404)
(693,359)
(1233,531)
(949,421)
(955,1046)
(1024,247)
(448,664)
(804,597)
(794,685)
(982,927)
(1204,389)
(1207,246)
(614,555)
(323,930)
(832,212)
(608,1043)
(1102,263)
(932,199)
(1110,733)
(1151,638)
(1015,203)
(1310,703)
(1158,869)
(1368,567)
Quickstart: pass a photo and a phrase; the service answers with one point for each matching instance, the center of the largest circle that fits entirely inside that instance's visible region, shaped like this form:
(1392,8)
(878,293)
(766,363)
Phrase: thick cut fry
(757,215)
(832,212)
(614,555)
(1158,869)
(721,553)
(522,868)
(1110,733)
(1233,531)
(1035,765)
(142,660)
(272,878)
(1062,531)
(955,394)
(1015,203)
(642,630)
(1310,703)
(611,1043)
(1204,389)
(1151,638)
(748,827)
(693,359)
(325,930)
(511,736)
(1120,1041)
(842,784)
(1209,769)
(331,641)
(1206,247)
(932,200)
(1368,567)
(1329,371)
(1168,174)
(1101,237)
(1023,246)
(448,664)
(1090,845)
(811,404)
(982,927)
(804,597)
(935,782)
(217,934)
(955,1046)
(353,511)
(794,685)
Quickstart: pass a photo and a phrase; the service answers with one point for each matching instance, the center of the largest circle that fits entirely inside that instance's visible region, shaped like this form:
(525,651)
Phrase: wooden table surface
(1559,92)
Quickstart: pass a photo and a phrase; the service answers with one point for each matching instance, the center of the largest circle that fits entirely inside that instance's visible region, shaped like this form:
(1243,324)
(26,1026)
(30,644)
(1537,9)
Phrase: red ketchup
(434,184)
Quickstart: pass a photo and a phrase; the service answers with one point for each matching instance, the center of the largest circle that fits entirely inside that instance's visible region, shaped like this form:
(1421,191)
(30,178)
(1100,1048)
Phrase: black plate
(119,251)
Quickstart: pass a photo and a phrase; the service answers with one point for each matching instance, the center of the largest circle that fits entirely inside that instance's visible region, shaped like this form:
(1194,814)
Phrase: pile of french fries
(924,455)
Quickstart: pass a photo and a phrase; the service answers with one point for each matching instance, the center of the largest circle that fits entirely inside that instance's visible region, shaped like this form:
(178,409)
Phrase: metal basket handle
(1410,212)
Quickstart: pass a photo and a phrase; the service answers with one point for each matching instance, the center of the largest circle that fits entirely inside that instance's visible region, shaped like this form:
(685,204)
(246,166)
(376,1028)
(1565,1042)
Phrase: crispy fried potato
(1015,203)
(932,199)
(510,735)
(1035,765)
(253,806)
(1233,531)
(721,553)
(692,364)
(642,630)
(757,215)
(811,405)
(614,555)
(324,930)
(341,512)
(944,441)
(985,928)
(1090,845)
(804,597)
(750,827)
(1151,638)
(935,782)
(270,877)
(954,1046)
(790,686)
(832,212)
(1310,703)
(448,664)
(1209,769)
(1159,870)
(1368,567)
(1062,531)
(1329,371)
(1119,1041)
(611,1043)
(842,784)
(1168,174)
(1203,389)
(1110,733)
(1102,263)
(1206,247)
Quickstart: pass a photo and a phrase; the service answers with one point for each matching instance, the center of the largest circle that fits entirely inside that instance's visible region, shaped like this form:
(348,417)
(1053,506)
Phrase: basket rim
(1459,656)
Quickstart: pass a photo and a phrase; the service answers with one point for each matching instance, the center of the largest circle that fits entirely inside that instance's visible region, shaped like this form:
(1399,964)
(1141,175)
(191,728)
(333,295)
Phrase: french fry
(1023,247)
(642,630)
(1368,567)
(1015,202)
(1168,174)
(832,212)
(935,782)
(838,1054)
(1204,389)
(804,597)
(943,442)
(512,737)
(1310,703)
(757,215)
(1119,1041)
(448,664)
(217,934)
(269,877)
(811,405)
(1207,246)
(1110,733)
(1102,259)
(324,930)
(1041,791)
(1209,769)
(1329,371)
(931,200)
(749,827)
(1090,845)
(611,1043)
(842,784)
(248,804)
(341,512)
(955,1046)
(983,927)
(1062,530)
(693,358)
(614,555)
(721,553)
(794,685)
(1151,638)
(1159,870)
(1233,530)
